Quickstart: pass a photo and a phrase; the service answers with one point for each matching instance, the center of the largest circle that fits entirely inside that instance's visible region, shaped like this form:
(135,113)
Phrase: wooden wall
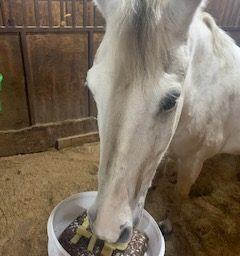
(13,96)
(44,96)
(59,64)
(24,12)
(44,68)
(226,12)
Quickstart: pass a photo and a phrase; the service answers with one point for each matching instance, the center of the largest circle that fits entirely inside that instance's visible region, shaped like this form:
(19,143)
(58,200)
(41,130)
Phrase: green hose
(1,86)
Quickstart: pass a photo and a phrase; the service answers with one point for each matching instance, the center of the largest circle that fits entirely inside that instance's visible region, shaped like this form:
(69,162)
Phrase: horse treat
(78,240)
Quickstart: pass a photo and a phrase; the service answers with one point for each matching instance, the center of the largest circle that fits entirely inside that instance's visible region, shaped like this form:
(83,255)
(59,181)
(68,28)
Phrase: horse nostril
(126,232)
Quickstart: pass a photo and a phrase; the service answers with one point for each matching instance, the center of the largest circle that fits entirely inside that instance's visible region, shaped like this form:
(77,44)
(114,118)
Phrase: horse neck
(212,52)
(213,70)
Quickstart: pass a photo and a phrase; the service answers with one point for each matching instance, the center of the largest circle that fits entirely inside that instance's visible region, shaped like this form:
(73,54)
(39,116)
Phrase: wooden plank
(77,140)
(24,13)
(1,16)
(42,137)
(90,13)
(97,39)
(58,69)
(30,14)
(85,13)
(44,13)
(68,13)
(36,12)
(98,18)
(62,18)
(79,13)
(28,80)
(73,13)
(10,9)
(3,13)
(50,17)
(15,111)
(56,13)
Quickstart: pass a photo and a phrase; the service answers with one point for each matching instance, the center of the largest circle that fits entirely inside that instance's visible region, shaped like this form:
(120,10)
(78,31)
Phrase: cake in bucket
(78,240)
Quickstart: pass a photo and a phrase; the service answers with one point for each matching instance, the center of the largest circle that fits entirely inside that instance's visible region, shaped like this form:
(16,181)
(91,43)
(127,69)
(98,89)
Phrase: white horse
(164,78)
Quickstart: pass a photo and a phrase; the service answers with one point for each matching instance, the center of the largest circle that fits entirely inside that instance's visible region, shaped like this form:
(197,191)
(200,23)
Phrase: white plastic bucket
(69,209)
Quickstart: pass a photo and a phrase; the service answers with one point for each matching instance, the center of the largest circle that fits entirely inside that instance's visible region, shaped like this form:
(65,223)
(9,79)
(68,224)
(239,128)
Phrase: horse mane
(221,41)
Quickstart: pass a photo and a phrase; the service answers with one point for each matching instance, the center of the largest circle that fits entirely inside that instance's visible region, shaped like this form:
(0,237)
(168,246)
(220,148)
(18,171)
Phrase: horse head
(137,82)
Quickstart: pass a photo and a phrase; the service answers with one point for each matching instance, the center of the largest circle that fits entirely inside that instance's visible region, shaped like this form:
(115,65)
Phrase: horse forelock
(144,20)
(142,41)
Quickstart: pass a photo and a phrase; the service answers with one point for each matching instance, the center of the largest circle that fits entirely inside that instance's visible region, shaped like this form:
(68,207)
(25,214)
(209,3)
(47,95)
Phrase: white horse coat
(209,122)
(165,78)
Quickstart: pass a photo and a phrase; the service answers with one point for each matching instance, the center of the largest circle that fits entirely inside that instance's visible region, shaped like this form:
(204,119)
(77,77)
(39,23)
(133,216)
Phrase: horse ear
(180,14)
(106,7)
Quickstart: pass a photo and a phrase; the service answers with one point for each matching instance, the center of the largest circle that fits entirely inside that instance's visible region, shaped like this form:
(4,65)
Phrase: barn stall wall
(46,48)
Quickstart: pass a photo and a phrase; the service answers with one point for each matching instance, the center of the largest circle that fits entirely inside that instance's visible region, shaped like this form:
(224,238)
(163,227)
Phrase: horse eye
(169,101)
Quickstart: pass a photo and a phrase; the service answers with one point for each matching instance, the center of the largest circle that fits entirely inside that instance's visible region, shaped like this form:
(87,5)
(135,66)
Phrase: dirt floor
(31,185)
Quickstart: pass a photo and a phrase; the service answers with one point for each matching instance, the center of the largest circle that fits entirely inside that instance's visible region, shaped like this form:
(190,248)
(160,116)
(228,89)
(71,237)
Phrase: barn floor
(31,185)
